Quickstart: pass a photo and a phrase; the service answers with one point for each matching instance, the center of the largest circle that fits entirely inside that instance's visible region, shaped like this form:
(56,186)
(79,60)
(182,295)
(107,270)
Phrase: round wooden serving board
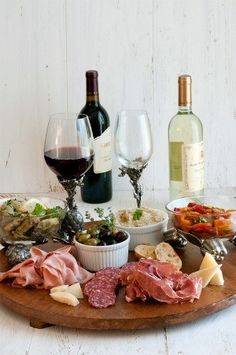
(39,307)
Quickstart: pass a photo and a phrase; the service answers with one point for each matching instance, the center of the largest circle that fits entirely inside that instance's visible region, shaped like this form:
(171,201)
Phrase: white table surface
(214,334)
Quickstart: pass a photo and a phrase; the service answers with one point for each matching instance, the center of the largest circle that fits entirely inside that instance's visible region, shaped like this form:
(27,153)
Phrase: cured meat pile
(47,270)
(152,279)
(146,279)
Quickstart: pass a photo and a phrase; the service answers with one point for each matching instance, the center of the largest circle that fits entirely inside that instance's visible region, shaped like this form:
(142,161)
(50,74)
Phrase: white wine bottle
(186,155)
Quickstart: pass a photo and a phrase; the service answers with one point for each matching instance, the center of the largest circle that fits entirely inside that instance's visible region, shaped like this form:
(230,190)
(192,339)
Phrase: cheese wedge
(205,274)
(65,297)
(209,261)
(60,288)
(75,290)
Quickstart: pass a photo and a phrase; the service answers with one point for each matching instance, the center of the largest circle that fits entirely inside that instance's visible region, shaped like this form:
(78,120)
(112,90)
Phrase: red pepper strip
(203,227)
(183,222)
(199,208)
(191,204)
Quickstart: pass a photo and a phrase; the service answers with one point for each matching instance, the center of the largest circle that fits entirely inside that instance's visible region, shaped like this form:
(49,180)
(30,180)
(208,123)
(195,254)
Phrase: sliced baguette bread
(164,252)
(145,251)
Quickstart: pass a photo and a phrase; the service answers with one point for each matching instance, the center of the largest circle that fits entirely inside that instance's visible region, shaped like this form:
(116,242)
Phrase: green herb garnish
(108,220)
(200,220)
(137,214)
(39,210)
(54,212)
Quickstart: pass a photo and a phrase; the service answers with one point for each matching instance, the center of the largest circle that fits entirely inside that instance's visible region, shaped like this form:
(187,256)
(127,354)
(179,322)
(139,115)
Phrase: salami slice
(100,285)
(110,272)
(101,289)
(101,298)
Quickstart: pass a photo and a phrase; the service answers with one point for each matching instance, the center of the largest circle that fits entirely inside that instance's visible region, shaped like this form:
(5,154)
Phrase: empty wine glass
(68,152)
(133,146)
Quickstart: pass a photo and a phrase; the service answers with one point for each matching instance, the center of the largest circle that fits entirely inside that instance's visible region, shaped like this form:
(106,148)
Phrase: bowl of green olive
(102,245)
(110,251)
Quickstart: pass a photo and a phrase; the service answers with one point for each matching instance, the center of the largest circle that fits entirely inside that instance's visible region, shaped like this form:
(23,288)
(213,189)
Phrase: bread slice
(209,261)
(145,251)
(205,274)
(164,252)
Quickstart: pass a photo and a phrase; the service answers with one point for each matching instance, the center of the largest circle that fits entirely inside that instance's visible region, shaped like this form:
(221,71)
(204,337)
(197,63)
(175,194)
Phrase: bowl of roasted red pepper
(205,217)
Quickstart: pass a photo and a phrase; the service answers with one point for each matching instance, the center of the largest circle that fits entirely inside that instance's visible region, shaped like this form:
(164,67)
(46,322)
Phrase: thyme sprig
(107,219)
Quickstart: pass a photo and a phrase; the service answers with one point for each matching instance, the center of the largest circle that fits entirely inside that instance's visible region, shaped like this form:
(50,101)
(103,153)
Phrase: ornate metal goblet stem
(73,221)
(134,176)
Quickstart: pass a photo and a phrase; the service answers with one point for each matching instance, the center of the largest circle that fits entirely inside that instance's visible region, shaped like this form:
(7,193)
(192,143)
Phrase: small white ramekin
(150,234)
(94,258)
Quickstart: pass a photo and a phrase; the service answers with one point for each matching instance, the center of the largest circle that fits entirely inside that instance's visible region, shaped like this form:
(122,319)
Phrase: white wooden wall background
(139,48)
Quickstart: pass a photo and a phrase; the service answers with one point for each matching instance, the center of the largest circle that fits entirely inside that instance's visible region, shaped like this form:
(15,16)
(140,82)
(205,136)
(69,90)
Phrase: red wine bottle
(97,186)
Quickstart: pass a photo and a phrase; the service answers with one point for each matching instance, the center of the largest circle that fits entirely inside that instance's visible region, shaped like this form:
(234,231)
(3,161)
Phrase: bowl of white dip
(145,225)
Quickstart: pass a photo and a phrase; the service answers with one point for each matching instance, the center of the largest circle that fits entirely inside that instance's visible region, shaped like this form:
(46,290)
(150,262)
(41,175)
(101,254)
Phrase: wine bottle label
(187,165)
(102,152)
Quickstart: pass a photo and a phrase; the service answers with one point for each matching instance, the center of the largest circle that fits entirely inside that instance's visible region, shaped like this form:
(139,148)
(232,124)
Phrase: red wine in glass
(68,162)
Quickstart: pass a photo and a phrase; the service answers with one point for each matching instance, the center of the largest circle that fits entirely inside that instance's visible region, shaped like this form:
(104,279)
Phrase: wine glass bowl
(68,152)
(133,139)
(68,149)
(133,146)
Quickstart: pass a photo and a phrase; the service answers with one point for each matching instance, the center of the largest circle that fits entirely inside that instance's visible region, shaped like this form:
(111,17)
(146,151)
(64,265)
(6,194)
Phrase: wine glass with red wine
(68,152)
(133,146)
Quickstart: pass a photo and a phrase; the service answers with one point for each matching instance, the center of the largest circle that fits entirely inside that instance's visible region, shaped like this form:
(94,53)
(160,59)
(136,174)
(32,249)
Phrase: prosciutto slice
(47,270)
(152,279)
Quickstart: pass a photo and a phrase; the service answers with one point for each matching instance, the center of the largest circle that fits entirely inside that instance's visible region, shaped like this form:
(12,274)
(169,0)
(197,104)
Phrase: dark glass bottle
(98,179)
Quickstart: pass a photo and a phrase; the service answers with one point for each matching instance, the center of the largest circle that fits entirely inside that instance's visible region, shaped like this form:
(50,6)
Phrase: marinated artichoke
(22,219)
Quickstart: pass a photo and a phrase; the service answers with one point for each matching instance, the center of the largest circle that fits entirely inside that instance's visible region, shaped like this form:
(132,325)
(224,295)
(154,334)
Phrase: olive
(110,241)
(102,243)
(83,238)
(77,234)
(121,236)
(104,234)
(92,241)
(94,232)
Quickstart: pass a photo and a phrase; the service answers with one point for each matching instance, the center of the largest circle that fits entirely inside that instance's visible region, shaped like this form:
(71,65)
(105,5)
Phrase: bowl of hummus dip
(145,225)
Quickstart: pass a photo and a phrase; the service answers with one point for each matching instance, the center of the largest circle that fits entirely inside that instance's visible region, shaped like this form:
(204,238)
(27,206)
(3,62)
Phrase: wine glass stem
(138,193)
(70,187)
(134,176)
(73,220)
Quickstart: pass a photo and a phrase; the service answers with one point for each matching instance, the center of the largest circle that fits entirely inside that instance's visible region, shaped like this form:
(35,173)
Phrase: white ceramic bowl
(148,234)
(94,258)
